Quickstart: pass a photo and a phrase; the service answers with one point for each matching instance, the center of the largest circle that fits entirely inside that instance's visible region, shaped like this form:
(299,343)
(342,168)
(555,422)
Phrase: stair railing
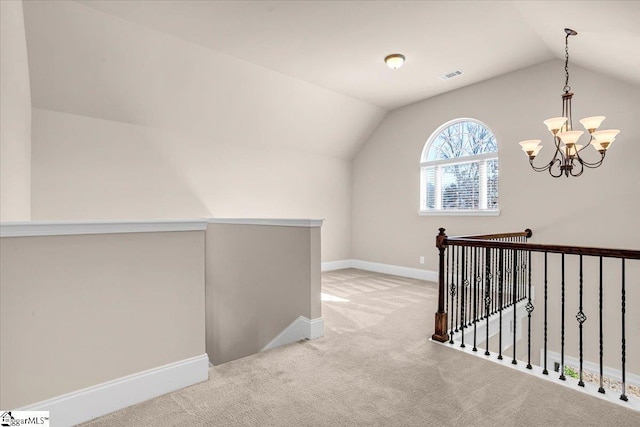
(482,278)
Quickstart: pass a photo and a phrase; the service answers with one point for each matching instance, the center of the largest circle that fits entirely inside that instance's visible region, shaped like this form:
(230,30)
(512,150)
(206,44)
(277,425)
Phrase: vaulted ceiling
(303,74)
(340,45)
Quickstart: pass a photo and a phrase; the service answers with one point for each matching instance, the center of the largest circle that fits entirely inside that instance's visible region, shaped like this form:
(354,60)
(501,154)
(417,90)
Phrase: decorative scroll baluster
(623,396)
(507,272)
(601,388)
(475,297)
(446,278)
(523,268)
(464,287)
(494,293)
(487,299)
(469,287)
(515,318)
(546,293)
(581,319)
(529,308)
(452,291)
(562,377)
(458,250)
(500,302)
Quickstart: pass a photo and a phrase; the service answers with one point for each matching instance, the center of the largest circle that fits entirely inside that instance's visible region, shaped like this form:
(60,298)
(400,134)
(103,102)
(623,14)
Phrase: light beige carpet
(374,367)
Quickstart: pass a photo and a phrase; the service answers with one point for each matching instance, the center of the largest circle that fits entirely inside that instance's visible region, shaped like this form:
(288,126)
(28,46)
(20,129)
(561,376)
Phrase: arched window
(459,170)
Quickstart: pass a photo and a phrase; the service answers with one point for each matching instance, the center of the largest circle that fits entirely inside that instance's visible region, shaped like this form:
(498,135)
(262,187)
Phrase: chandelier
(567,158)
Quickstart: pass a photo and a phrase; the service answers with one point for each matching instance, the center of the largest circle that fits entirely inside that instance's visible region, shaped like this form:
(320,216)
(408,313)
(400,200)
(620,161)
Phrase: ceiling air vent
(451,75)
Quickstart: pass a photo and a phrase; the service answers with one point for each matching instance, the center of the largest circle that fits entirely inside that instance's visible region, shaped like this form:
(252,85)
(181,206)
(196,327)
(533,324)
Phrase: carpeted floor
(374,367)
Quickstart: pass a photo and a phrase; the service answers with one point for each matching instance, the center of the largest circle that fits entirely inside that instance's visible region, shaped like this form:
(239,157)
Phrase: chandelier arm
(594,164)
(581,169)
(553,162)
(549,165)
(540,168)
(591,165)
(556,141)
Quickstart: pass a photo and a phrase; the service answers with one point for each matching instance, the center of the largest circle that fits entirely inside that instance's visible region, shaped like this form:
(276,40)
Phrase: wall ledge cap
(62,228)
(280,222)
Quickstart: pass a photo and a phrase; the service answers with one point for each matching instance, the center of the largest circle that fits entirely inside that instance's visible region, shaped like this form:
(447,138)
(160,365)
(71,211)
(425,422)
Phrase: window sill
(460,213)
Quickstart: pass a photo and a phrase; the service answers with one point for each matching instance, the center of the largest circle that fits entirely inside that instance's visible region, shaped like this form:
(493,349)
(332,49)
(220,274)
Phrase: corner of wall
(15,120)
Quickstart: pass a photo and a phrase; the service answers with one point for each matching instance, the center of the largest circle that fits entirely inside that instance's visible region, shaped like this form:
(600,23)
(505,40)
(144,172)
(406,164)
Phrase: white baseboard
(316,328)
(300,329)
(615,374)
(336,265)
(92,402)
(589,388)
(395,270)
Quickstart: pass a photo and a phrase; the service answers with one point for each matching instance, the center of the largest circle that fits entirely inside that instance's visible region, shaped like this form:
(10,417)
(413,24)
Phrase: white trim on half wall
(92,402)
(300,329)
(394,270)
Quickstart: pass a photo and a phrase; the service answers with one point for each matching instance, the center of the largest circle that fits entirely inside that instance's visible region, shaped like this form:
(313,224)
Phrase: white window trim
(481,159)
(465,212)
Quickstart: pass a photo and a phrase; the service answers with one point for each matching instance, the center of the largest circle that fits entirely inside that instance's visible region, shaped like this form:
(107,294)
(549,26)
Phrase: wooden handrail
(526,233)
(535,247)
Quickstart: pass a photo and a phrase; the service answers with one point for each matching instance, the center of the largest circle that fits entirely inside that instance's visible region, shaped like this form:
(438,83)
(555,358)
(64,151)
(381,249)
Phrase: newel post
(440,333)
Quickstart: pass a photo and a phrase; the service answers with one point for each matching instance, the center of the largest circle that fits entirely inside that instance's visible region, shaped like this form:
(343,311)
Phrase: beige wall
(86,168)
(87,62)
(259,280)
(130,122)
(15,116)
(599,208)
(96,308)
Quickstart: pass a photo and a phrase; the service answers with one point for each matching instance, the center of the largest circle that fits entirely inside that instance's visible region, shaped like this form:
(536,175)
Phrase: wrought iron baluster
(518,276)
(452,292)
(507,270)
(458,285)
(523,267)
(546,292)
(500,302)
(562,377)
(623,396)
(600,296)
(464,286)
(469,288)
(581,319)
(475,297)
(494,292)
(487,299)
(515,319)
(446,275)
(529,308)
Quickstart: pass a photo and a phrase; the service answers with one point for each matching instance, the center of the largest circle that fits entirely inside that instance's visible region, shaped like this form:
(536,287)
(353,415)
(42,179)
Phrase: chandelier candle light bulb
(567,161)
